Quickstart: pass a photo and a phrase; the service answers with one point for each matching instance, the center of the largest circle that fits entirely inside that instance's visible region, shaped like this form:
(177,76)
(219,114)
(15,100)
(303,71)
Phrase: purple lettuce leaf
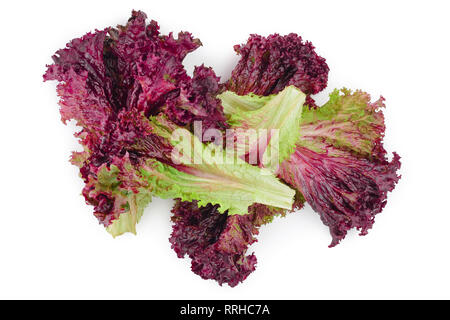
(340,165)
(269,64)
(217,243)
(110,81)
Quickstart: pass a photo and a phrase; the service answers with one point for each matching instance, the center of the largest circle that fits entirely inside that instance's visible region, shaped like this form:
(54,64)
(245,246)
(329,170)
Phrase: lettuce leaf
(347,121)
(206,173)
(269,64)
(109,83)
(275,120)
(119,194)
(339,164)
(216,242)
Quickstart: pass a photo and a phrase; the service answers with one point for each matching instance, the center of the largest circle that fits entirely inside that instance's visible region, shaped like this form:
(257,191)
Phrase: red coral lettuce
(269,64)
(217,243)
(340,165)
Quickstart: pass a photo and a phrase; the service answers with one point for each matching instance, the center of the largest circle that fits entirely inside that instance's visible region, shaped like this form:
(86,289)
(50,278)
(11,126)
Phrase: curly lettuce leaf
(217,243)
(110,82)
(274,119)
(198,102)
(206,173)
(128,220)
(119,194)
(269,64)
(340,164)
(347,121)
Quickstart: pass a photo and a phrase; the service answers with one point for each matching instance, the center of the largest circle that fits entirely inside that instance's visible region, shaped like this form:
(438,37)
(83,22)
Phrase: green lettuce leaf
(267,126)
(340,165)
(121,188)
(127,221)
(348,121)
(207,173)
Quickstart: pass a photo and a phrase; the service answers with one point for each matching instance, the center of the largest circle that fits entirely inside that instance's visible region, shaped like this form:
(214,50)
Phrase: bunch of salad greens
(233,155)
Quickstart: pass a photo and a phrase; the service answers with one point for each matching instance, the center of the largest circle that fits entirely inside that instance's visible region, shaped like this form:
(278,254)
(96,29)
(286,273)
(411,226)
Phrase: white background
(51,245)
